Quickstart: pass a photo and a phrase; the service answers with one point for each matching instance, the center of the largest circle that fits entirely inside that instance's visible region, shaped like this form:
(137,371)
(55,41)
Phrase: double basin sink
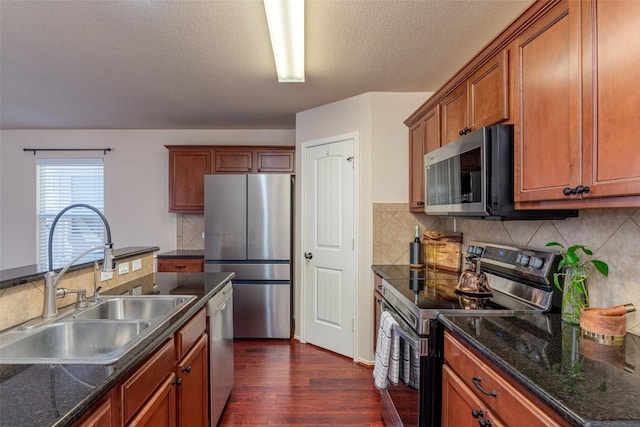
(99,334)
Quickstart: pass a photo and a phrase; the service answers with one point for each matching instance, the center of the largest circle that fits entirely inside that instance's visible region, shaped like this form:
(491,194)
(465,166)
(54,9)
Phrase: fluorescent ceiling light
(286,28)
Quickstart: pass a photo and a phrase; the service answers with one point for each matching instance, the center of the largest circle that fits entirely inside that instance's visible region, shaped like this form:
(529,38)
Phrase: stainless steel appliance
(521,282)
(248,231)
(221,379)
(473,177)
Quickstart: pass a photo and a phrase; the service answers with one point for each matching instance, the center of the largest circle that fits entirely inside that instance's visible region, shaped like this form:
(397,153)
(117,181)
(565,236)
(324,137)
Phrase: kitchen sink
(74,342)
(100,334)
(134,308)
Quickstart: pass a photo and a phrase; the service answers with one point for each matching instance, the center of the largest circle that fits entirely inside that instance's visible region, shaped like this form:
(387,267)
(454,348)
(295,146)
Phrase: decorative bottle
(415,251)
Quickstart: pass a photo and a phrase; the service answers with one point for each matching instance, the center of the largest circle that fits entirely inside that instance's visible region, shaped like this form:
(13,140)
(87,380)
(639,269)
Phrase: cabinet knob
(568,191)
(477,413)
(582,189)
(420,203)
(186,369)
(177,381)
(461,132)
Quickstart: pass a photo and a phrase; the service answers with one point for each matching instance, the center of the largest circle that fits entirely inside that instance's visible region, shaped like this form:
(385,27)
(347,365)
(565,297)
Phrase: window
(60,183)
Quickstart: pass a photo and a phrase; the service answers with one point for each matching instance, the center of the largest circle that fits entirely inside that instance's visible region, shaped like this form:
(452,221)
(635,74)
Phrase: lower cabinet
(104,414)
(193,387)
(462,407)
(473,393)
(169,389)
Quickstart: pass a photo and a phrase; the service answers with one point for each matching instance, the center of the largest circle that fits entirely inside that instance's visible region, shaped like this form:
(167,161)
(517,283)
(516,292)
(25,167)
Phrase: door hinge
(350,159)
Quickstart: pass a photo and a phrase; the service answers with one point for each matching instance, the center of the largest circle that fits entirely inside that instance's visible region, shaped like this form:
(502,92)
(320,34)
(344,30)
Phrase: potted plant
(575,273)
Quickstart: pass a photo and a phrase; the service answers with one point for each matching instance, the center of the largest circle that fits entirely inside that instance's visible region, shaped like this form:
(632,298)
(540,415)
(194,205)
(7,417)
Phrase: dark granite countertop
(56,395)
(29,273)
(389,271)
(183,253)
(587,383)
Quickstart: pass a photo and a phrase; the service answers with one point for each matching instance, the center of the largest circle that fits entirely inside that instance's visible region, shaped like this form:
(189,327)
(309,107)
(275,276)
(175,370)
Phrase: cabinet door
(488,92)
(233,161)
(547,144)
(275,161)
(186,180)
(160,409)
(193,388)
(612,72)
(460,406)
(424,136)
(454,114)
(102,414)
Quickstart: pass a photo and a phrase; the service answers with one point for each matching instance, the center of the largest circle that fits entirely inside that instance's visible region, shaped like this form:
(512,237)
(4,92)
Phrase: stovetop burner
(520,281)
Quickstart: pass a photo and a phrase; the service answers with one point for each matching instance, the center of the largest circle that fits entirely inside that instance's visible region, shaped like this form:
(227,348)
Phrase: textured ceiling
(207,64)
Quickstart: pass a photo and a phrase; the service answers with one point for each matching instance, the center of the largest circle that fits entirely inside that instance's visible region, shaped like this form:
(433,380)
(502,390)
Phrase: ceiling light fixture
(286,28)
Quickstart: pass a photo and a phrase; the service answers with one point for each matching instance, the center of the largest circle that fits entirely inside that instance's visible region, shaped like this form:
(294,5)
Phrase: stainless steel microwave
(473,177)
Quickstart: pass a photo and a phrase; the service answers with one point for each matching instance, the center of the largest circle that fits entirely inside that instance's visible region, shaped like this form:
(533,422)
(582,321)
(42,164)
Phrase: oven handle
(403,329)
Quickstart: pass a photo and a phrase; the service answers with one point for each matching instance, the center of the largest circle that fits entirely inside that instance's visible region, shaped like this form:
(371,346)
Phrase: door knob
(308,255)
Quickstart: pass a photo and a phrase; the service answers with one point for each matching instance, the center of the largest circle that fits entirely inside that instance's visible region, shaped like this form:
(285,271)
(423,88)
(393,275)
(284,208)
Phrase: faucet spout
(50,308)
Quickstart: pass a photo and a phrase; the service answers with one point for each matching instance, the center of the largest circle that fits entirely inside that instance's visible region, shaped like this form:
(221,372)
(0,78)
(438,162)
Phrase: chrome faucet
(50,309)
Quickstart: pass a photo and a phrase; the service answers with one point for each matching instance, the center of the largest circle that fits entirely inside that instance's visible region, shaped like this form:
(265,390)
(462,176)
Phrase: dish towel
(386,369)
(410,371)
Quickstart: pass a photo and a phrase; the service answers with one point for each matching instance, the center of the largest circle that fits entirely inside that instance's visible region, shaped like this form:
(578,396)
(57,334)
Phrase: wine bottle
(415,251)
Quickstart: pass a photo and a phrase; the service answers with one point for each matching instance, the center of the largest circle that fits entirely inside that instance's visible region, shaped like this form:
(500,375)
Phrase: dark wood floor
(286,383)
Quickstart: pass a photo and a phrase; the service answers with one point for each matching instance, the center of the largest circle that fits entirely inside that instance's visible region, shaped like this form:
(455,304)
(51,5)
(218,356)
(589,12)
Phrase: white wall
(136,181)
(381,157)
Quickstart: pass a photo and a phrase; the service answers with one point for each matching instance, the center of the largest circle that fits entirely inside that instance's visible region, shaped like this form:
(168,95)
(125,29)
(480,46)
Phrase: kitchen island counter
(57,395)
(587,383)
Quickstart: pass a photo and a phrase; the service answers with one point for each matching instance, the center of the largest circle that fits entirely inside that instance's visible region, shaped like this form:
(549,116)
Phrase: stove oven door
(406,403)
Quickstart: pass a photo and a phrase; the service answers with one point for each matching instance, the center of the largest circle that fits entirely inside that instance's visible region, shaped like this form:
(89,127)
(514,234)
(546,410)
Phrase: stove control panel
(532,264)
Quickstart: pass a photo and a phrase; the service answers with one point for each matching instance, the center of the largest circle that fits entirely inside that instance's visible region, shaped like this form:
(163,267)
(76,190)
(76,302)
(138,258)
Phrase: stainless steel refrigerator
(248,231)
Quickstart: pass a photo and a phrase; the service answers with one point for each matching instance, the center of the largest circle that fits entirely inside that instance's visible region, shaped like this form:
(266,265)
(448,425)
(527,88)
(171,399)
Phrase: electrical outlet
(106,275)
(123,268)
(137,290)
(136,264)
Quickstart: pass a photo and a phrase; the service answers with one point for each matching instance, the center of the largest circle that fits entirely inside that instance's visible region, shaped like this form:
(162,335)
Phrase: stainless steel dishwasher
(221,379)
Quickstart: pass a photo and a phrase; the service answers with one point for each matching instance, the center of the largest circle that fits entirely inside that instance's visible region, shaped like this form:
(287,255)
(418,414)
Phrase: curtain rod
(104,150)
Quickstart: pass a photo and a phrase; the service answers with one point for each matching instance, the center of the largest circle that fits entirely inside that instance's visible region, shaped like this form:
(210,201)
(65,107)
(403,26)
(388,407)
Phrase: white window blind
(60,183)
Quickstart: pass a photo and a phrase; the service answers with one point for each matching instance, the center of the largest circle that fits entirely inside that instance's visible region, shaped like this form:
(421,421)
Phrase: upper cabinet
(424,136)
(577,65)
(546,131)
(563,74)
(481,100)
(188,164)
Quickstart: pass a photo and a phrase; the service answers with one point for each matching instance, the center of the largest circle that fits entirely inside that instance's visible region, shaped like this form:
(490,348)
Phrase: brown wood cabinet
(180,265)
(472,384)
(462,406)
(193,386)
(188,164)
(187,168)
(160,409)
(547,153)
(102,414)
(146,382)
(577,64)
(481,100)
(424,136)
(170,388)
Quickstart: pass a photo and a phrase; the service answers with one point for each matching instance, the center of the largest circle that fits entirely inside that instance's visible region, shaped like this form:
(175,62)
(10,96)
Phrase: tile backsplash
(190,228)
(613,235)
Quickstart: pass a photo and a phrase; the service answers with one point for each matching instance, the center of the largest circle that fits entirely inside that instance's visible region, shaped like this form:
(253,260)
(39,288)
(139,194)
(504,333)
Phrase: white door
(329,246)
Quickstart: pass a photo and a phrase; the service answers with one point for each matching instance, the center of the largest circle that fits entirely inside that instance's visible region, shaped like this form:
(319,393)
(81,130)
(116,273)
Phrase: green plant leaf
(553,244)
(587,251)
(601,266)
(561,264)
(572,259)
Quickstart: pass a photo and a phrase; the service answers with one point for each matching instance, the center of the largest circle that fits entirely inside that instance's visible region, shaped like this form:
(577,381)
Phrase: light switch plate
(137,290)
(136,264)
(108,275)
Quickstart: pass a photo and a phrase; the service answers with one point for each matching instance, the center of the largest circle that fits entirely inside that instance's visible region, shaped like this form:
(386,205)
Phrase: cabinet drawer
(513,407)
(135,391)
(178,265)
(190,333)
